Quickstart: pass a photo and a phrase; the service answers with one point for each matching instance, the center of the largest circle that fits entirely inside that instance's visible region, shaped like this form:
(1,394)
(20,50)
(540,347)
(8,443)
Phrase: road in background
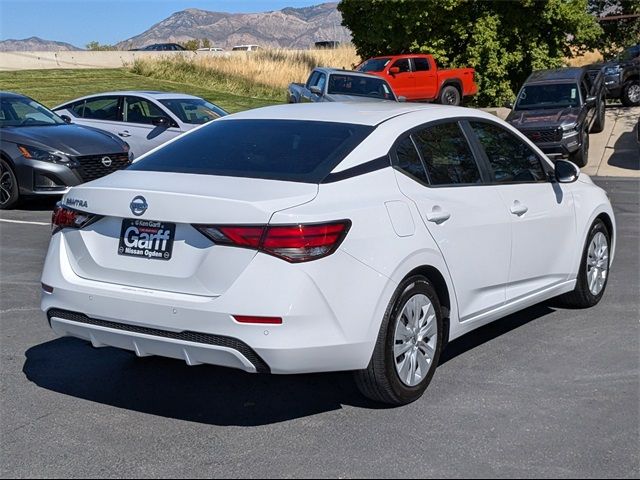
(543,393)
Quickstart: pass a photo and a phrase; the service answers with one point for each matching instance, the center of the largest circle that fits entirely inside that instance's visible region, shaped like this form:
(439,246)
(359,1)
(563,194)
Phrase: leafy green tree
(503,40)
(206,43)
(193,44)
(98,47)
(620,32)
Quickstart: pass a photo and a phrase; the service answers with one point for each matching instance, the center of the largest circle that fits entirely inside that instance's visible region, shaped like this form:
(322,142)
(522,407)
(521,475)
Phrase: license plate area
(146,239)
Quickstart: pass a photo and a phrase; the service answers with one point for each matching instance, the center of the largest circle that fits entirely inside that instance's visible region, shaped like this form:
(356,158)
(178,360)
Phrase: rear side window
(511,159)
(101,108)
(447,155)
(409,160)
(290,150)
(421,64)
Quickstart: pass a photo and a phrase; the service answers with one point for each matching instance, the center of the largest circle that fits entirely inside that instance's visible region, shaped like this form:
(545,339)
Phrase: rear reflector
(293,243)
(258,320)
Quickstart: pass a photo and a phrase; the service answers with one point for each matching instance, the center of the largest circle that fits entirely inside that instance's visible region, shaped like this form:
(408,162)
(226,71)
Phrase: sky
(79,22)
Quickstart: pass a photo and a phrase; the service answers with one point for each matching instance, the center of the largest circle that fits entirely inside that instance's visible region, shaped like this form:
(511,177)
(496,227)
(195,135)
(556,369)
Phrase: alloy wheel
(6,184)
(634,93)
(416,337)
(597,263)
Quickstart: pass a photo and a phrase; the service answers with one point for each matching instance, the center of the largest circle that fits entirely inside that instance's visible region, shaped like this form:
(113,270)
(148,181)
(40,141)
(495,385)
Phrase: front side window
(554,95)
(374,65)
(409,160)
(100,108)
(447,155)
(193,110)
(289,150)
(510,158)
(139,110)
(403,65)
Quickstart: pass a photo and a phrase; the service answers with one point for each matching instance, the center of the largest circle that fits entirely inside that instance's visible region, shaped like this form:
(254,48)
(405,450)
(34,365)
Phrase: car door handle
(438,215)
(519,209)
(124,134)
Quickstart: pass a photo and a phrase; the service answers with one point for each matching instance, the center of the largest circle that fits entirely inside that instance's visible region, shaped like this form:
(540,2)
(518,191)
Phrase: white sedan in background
(326,237)
(144,120)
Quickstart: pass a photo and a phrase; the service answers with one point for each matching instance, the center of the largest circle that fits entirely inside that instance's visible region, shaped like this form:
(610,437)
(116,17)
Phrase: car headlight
(570,130)
(612,70)
(43,155)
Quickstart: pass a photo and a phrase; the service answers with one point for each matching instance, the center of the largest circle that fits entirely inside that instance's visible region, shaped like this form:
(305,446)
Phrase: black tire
(380,381)
(450,95)
(631,93)
(601,117)
(9,189)
(581,296)
(581,157)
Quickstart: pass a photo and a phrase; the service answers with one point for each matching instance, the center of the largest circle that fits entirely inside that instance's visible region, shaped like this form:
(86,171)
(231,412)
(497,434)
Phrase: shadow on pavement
(37,204)
(626,151)
(208,394)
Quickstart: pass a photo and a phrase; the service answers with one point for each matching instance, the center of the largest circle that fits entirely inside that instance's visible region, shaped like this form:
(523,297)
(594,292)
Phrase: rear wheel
(9,192)
(450,95)
(594,270)
(408,346)
(631,94)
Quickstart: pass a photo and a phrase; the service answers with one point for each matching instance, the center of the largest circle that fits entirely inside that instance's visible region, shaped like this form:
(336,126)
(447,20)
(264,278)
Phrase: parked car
(332,85)
(326,237)
(418,78)
(144,119)
(210,49)
(41,154)
(246,48)
(327,44)
(622,77)
(160,47)
(558,108)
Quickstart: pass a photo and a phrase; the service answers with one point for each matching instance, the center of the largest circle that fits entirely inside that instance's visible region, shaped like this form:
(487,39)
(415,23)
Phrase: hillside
(34,44)
(287,28)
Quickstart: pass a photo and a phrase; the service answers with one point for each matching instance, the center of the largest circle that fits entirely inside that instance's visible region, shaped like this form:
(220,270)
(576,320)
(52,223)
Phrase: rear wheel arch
(452,83)
(442,290)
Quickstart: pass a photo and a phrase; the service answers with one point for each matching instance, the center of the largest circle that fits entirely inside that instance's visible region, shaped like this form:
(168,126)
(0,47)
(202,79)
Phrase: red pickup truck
(417,77)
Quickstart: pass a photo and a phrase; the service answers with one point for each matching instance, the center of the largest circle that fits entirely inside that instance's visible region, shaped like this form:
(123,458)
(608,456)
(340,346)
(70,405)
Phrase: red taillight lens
(293,243)
(63,217)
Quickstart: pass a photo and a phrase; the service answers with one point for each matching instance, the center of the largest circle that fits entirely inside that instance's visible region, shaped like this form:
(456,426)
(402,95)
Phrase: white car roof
(361,113)
(139,93)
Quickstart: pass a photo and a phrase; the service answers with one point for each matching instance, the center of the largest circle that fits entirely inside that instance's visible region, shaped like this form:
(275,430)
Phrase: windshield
(555,95)
(290,150)
(374,65)
(630,54)
(340,84)
(193,110)
(24,112)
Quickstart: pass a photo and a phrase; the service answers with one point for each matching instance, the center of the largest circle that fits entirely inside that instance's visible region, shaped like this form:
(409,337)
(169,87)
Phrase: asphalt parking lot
(543,393)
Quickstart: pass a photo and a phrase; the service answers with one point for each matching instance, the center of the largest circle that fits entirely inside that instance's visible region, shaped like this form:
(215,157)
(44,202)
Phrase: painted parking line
(6,220)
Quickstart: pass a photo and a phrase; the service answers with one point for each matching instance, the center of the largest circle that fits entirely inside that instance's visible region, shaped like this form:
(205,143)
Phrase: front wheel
(581,157)
(408,347)
(9,191)
(631,94)
(601,117)
(594,269)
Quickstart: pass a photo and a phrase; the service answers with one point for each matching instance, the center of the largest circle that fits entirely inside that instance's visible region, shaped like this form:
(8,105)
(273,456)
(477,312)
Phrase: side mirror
(66,118)
(566,172)
(402,99)
(591,101)
(394,70)
(315,90)
(508,105)
(163,122)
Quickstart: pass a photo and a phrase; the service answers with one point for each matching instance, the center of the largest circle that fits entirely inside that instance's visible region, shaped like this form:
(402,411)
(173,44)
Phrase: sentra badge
(138,205)
(75,202)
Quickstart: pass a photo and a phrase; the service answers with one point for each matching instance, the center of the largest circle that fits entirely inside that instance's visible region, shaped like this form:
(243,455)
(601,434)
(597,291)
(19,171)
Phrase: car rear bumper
(331,315)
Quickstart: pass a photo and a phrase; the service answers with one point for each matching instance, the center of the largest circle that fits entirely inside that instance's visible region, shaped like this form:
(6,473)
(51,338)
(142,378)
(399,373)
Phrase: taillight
(64,217)
(293,243)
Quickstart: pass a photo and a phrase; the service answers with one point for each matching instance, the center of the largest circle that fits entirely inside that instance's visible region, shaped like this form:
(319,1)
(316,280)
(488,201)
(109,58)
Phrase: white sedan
(144,120)
(326,237)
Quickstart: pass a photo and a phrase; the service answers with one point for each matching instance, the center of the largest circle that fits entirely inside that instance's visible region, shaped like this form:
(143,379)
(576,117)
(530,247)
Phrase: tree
(192,44)
(504,41)
(98,47)
(621,32)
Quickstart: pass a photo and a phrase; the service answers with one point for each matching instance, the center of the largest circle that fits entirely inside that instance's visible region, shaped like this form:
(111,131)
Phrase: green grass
(53,87)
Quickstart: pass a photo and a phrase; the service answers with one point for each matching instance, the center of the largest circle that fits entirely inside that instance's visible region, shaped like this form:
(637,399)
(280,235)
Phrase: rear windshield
(290,150)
